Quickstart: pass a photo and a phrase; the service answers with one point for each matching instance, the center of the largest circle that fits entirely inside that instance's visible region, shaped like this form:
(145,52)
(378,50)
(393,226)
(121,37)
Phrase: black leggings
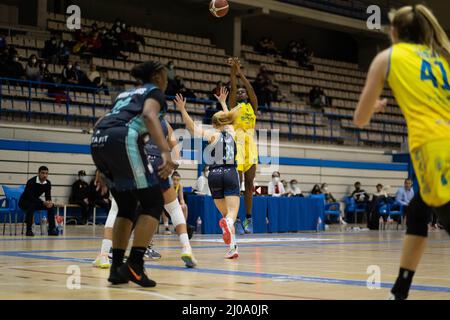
(418,216)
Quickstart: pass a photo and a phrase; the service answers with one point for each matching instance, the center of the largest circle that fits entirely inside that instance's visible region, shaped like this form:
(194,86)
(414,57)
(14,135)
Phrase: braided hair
(145,71)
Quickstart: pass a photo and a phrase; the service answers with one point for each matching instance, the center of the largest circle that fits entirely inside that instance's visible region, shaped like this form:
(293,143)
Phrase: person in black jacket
(80,195)
(30,201)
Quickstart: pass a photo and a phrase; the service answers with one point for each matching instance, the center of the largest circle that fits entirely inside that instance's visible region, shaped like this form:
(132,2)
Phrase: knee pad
(417,217)
(112,214)
(151,202)
(176,213)
(443,216)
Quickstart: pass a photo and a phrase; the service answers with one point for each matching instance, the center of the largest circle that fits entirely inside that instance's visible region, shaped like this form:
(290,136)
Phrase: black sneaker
(136,274)
(29,233)
(115,277)
(53,232)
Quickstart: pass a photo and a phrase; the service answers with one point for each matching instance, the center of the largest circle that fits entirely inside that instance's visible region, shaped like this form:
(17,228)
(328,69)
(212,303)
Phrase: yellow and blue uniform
(244,125)
(419,80)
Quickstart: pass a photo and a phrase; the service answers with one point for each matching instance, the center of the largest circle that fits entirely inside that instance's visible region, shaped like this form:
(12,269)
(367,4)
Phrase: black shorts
(156,161)
(132,204)
(223,182)
(119,154)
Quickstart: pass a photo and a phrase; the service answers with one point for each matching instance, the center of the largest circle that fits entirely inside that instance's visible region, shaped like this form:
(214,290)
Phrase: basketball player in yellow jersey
(246,104)
(417,70)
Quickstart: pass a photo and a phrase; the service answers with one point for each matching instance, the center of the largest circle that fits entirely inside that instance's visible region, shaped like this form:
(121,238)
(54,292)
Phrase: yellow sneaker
(102,262)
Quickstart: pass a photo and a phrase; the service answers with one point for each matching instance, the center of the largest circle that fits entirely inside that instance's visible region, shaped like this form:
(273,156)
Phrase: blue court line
(273,276)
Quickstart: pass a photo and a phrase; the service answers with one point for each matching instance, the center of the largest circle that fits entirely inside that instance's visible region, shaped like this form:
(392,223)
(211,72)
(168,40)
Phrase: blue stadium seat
(352,207)
(331,209)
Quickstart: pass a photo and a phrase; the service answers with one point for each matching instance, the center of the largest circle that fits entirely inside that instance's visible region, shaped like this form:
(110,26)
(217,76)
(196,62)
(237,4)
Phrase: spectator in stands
(30,201)
(94,44)
(80,195)
(14,68)
(267,46)
(50,52)
(316,190)
(276,188)
(97,199)
(171,71)
(285,186)
(381,191)
(63,53)
(259,85)
(317,98)
(328,196)
(179,87)
(32,71)
(360,195)
(83,79)
(201,186)
(293,189)
(405,194)
(69,74)
(264,73)
(46,76)
(96,79)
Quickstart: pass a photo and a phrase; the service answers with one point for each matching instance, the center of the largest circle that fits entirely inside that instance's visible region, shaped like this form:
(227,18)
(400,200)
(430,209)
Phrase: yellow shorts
(247,151)
(432,166)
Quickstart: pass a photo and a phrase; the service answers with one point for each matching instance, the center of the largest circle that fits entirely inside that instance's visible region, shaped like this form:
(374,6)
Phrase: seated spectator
(96,79)
(201,186)
(381,191)
(14,69)
(69,74)
(97,199)
(46,76)
(80,195)
(63,53)
(83,79)
(293,189)
(328,196)
(32,71)
(285,186)
(276,188)
(316,190)
(171,71)
(360,195)
(317,98)
(267,46)
(405,194)
(179,87)
(50,52)
(94,44)
(30,201)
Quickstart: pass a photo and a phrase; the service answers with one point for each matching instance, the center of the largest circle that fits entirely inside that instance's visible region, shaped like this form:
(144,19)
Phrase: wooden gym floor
(331,265)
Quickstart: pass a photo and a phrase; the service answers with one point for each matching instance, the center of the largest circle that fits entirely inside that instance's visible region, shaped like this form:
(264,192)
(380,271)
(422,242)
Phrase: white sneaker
(188,257)
(102,262)
(232,254)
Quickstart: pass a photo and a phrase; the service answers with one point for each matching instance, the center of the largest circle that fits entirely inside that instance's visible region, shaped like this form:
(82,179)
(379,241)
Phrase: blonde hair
(222,118)
(418,24)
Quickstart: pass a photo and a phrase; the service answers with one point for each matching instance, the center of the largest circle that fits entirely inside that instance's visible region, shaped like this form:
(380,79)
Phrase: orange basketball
(219,8)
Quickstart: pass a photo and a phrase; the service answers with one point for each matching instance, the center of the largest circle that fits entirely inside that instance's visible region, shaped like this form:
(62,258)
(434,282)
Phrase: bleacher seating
(201,65)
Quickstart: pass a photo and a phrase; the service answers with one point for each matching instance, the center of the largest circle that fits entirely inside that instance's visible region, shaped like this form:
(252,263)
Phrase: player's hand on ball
(167,167)
(381,106)
(222,98)
(180,102)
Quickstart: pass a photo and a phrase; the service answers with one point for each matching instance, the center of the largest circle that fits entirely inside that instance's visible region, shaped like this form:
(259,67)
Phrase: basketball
(219,8)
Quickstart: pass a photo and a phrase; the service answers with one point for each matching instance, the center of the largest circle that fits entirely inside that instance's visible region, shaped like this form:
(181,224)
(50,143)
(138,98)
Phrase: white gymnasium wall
(16,167)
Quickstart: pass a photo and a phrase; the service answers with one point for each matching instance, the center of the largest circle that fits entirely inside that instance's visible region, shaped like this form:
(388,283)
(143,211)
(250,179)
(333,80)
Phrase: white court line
(148,293)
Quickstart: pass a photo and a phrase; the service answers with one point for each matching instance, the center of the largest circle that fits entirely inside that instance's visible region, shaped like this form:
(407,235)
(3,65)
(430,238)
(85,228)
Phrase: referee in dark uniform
(30,201)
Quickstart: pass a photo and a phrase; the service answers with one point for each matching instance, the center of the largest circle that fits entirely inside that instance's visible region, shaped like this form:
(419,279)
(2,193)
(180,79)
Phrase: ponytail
(418,24)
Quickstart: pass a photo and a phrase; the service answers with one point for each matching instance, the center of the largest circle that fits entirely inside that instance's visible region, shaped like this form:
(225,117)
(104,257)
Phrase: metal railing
(315,127)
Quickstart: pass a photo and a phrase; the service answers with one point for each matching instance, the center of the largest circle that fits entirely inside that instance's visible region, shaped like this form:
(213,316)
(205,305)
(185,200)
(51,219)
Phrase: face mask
(33,61)
(16,59)
(62,45)
(325,189)
(53,41)
(69,66)
(276,179)
(78,68)
(44,66)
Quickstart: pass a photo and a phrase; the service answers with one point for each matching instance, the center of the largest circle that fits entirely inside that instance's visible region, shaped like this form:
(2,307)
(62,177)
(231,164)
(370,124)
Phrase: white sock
(106,246)
(184,240)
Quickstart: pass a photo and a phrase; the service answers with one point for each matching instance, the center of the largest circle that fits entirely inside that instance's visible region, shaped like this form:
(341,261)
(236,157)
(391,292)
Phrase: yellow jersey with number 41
(419,80)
